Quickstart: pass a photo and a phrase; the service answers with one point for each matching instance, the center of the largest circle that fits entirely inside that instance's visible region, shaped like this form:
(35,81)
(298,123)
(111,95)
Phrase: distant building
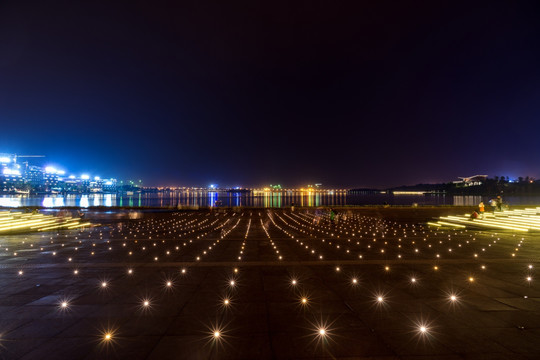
(50,181)
(33,175)
(474,180)
(11,177)
(109,185)
(24,178)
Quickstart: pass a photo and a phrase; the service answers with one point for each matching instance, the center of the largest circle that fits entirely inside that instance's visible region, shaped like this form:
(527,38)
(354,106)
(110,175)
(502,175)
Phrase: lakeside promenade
(270,284)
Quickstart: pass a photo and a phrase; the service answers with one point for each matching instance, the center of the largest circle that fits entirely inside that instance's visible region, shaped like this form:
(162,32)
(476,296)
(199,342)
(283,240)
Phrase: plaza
(246,283)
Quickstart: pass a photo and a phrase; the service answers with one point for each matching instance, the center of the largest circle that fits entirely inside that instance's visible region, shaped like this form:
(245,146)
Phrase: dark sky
(365,94)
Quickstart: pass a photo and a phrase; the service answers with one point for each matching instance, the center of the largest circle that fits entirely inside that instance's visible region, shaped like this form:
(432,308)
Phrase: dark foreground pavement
(373,287)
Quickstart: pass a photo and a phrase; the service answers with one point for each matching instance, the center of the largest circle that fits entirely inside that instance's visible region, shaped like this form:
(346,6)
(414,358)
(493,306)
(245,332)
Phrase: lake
(261,199)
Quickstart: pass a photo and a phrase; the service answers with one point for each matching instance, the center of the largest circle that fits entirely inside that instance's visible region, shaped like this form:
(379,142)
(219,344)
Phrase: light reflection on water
(261,199)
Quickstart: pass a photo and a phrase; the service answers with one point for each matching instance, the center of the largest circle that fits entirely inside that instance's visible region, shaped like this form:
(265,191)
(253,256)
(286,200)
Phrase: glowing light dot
(380,299)
(423,329)
(453,297)
(322,332)
(104,284)
(217,334)
(355,281)
(169,284)
(338,269)
(64,304)
(413,280)
(146,303)
(232,283)
(108,336)
(20,272)
(226,301)
(75,272)
(293,282)
(529,278)
(304,300)
(471,279)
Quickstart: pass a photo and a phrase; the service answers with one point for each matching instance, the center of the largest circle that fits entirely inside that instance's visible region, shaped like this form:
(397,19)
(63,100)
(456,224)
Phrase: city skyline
(358,95)
(11,167)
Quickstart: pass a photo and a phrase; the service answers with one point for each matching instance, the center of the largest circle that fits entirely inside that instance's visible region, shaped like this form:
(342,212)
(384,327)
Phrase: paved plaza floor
(270,284)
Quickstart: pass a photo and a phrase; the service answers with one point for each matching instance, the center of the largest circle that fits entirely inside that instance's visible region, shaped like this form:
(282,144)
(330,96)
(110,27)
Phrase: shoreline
(419,214)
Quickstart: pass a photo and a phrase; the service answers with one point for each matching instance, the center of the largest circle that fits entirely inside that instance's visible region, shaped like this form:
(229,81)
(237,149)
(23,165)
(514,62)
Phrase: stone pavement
(260,284)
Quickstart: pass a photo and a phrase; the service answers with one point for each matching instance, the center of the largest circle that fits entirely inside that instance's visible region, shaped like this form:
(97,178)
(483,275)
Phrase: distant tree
(496,178)
(520,179)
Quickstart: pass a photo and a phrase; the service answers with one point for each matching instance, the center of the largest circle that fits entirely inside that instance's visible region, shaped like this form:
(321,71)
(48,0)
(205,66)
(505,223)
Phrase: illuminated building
(109,185)
(33,176)
(471,180)
(11,178)
(50,181)
(25,178)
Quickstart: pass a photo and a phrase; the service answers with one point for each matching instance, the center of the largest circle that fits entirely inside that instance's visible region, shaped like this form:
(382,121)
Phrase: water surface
(260,199)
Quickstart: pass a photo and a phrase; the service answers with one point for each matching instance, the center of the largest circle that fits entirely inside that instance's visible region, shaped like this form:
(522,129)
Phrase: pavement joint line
(273,263)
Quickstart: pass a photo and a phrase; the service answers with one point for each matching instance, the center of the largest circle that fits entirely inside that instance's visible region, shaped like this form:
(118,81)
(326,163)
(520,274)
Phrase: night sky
(373,94)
